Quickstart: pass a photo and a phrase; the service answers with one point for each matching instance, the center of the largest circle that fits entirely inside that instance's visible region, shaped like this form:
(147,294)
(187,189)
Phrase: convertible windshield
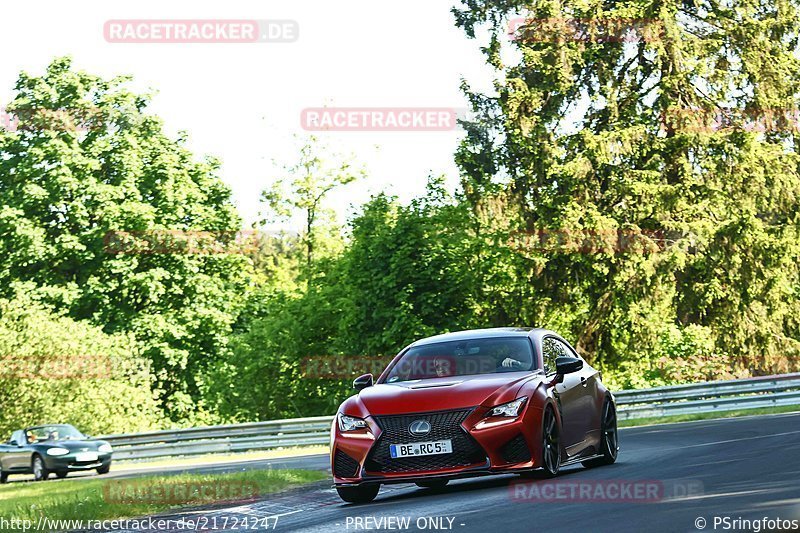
(462,358)
(52,433)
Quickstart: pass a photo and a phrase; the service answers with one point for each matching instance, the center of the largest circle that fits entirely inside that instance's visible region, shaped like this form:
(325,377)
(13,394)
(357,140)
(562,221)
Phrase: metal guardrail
(705,397)
(222,439)
(708,397)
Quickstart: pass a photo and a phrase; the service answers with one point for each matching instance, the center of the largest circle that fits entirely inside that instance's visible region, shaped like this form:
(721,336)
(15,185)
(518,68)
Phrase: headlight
(57,451)
(351,423)
(105,448)
(509,409)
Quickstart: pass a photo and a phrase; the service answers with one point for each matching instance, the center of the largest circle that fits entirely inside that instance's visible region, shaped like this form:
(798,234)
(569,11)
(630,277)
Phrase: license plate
(86,457)
(416,449)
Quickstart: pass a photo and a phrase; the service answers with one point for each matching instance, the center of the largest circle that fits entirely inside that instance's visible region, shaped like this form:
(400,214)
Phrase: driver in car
(514,360)
(443,366)
(508,362)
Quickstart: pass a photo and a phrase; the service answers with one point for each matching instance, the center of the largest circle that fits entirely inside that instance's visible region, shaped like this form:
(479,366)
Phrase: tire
(362,494)
(61,474)
(551,443)
(610,438)
(3,475)
(436,484)
(40,471)
(104,469)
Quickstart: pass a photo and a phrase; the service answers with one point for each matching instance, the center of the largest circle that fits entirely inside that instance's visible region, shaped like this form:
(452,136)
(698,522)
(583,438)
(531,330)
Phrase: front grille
(444,425)
(344,465)
(516,450)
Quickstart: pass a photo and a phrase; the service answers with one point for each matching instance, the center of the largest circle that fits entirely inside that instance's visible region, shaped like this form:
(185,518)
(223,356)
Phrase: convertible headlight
(351,423)
(509,409)
(57,451)
(105,448)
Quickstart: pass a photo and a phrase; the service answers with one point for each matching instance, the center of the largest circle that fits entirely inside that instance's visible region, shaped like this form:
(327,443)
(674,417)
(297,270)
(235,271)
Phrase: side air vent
(516,450)
(344,465)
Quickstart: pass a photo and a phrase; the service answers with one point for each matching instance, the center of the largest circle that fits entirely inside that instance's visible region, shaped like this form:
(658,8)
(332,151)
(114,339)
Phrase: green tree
(56,369)
(87,160)
(405,273)
(304,189)
(603,121)
(409,272)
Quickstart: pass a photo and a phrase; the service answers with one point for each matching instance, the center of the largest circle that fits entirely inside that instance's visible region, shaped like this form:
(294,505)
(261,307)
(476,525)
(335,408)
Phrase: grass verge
(708,416)
(210,459)
(100,499)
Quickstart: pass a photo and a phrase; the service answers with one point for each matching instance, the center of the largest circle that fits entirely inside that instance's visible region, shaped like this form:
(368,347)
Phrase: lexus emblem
(419,427)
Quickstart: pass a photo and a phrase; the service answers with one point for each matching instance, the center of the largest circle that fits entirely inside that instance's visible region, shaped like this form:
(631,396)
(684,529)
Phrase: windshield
(52,433)
(462,358)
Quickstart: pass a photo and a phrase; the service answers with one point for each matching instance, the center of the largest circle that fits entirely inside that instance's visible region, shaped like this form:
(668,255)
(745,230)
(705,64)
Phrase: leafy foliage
(305,188)
(58,370)
(592,134)
(601,196)
(66,184)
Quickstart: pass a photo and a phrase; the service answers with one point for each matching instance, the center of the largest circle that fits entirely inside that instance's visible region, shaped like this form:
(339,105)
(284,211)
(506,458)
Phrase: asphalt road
(685,474)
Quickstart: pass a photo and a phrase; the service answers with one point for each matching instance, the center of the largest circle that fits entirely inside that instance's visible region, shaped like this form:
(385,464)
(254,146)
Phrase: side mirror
(568,365)
(13,443)
(362,382)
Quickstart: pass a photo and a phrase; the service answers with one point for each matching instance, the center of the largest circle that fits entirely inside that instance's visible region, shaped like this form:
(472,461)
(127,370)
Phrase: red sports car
(493,401)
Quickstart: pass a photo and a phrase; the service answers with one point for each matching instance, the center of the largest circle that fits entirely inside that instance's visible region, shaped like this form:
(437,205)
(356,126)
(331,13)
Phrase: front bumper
(495,445)
(70,462)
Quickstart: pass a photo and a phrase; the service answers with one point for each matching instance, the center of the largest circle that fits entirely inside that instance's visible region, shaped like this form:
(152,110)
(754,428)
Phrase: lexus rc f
(493,401)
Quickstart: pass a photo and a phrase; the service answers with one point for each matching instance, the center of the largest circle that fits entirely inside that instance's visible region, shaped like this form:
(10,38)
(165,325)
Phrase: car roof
(480,334)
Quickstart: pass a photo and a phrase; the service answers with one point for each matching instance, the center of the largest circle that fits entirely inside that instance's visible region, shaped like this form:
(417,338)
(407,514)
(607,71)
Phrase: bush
(59,370)
(683,355)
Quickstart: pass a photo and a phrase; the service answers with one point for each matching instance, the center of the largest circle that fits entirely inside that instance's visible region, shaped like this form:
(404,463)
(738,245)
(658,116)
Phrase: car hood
(442,394)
